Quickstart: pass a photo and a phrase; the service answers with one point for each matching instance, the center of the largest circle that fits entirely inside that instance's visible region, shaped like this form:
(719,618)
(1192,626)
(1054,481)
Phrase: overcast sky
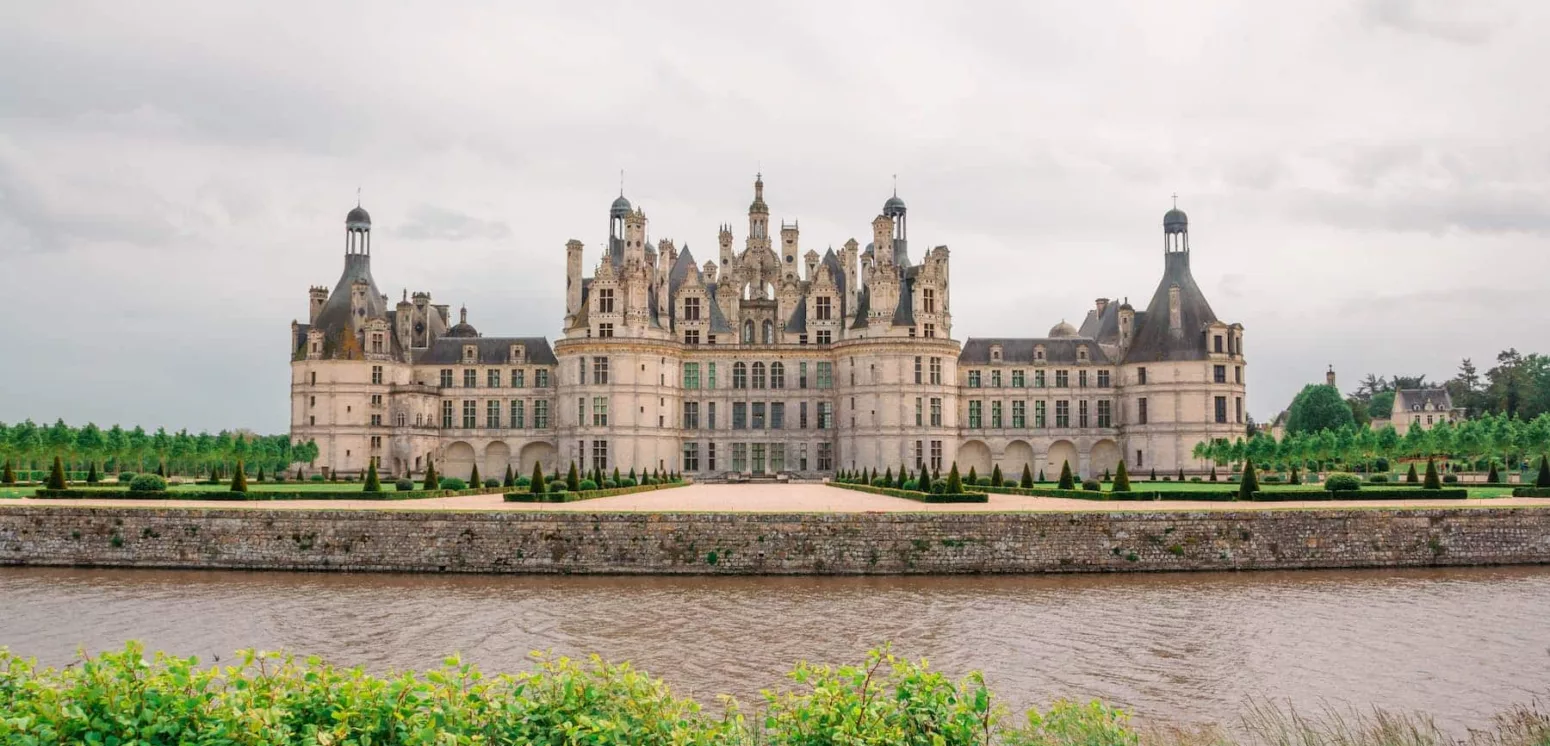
(1368,183)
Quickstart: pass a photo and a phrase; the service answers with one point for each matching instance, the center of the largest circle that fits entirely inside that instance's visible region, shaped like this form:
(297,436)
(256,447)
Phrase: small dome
(1175,221)
(894,207)
(621,207)
(1062,330)
(358,218)
(462,329)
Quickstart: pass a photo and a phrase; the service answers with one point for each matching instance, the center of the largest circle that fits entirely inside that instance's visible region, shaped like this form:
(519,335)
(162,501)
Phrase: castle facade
(766,360)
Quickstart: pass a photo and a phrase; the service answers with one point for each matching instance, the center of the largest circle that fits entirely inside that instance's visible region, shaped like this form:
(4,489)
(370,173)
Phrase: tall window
(1141,376)
(376,375)
(802,415)
(739,415)
(517,379)
(995,379)
(825,375)
(710,456)
(928,300)
(748,332)
(1062,413)
(825,415)
(917,369)
(1221,409)
(758,375)
(1062,379)
(540,414)
(1217,346)
(1237,374)
(936,455)
(446,378)
(446,414)
(710,375)
(822,310)
(1081,379)
(777,415)
(918,454)
(1141,411)
(470,414)
(920,417)
(1081,413)
(1019,380)
(691,457)
(600,455)
(936,412)
(826,457)
(1019,415)
(777,375)
(1239,401)
(1105,413)
(599,411)
(599,371)
(929,331)
(493,378)
(541,378)
(974,379)
(974,415)
(801,375)
(470,378)
(823,337)
(605,330)
(605,300)
(518,417)
(1219,374)
(691,415)
(768,333)
(995,414)
(739,375)
(739,457)
(1038,379)
(691,309)
(492,414)
(1040,415)
(691,375)
(710,415)
(758,415)
(936,371)
(376,343)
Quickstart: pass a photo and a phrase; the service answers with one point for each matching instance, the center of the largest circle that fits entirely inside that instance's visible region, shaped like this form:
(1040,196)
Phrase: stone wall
(732,543)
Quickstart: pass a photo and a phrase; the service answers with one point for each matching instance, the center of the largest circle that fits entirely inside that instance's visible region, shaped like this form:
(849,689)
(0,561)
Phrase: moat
(1457,643)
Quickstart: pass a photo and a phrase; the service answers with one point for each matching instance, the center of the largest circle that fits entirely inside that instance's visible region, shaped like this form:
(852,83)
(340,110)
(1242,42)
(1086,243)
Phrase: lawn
(1475,490)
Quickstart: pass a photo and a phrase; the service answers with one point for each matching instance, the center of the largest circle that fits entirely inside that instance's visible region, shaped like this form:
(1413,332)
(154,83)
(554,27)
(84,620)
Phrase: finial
(406,294)
(462,314)
(895,185)
(1175,200)
(621,182)
(357,196)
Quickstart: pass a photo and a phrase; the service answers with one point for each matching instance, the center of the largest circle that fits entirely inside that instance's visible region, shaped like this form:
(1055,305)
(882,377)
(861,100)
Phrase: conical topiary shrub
(1250,482)
(8,476)
(995,476)
(954,483)
(1041,476)
(618,480)
(161,470)
(1121,478)
(1543,480)
(91,474)
(973,477)
(432,479)
(1213,475)
(1181,473)
(373,483)
(260,472)
(1411,477)
(573,479)
(1153,478)
(1105,475)
(888,477)
(1027,480)
(299,477)
(1067,482)
(1295,478)
(510,479)
(56,475)
(239,479)
(473,478)
(1433,482)
(1492,477)
(536,486)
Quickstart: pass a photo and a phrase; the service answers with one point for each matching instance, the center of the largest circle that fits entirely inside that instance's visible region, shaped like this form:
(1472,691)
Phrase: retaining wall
(750,543)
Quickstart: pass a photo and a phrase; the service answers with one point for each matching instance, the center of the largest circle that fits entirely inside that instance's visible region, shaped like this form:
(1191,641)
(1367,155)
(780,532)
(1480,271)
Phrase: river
(1457,643)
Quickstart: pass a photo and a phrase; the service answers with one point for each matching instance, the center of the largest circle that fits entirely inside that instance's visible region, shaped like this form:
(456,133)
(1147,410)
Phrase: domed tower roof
(462,328)
(1062,330)
(894,207)
(358,219)
(1175,221)
(620,208)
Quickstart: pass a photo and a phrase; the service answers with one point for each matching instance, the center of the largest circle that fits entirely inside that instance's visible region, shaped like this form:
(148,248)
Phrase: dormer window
(470,353)
(995,353)
(516,354)
(1038,353)
(1081,354)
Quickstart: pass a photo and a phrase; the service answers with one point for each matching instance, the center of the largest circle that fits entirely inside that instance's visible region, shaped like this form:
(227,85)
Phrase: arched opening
(769,332)
(1103,457)
(1018,455)
(748,332)
(497,456)
(974,455)
(1062,452)
(537,452)
(459,461)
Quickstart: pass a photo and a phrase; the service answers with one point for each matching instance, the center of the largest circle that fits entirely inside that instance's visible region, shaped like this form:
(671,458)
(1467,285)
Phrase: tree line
(1517,386)
(28,445)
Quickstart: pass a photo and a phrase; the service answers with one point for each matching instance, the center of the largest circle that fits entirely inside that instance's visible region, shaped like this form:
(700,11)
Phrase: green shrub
(983,481)
(573,478)
(939,487)
(1272,479)
(880,482)
(404,484)
(522,482)
(954,482)
(1411,477)
(1542,479)
(1342,482)
(912,485)
(995,475)
(316,478)
(492,482)
(91,475)
(1378,479)
(1092,485)
(1432,482)
(432,479)
(627,482)
(1294,478)
(1067,482)
(56,476)
(1070,724)
(557,487)
(452,483)
(1192,479)
(1492,476)
(1121,478)
(125,477)
(974,477)
(239,479)
(587,484)
(1448,479)
(1027,480)
(373,481)
(1213,473)
(147,483)
(535,485)
(1250,483)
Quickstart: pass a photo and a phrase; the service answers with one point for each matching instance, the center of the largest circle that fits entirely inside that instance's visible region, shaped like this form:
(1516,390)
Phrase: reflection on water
(1455,643)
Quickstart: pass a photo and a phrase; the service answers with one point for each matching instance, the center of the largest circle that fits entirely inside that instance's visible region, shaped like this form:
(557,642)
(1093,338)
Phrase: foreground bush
(148,483)
(1342,482)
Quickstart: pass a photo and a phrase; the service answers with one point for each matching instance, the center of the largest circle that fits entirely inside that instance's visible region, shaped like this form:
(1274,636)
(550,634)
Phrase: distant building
(1423,408)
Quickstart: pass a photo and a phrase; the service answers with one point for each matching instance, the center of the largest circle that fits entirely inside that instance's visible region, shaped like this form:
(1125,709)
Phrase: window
(1062,379)
(767,332)
(936,371)
(1019,380)
(691,336)
(758,375)
(376,444)
(540,414)
(517,381)
(376,401)
(748,332)
(541,378)
(581,413)
(974,379)
(314,378)
(605,300)
(825,375)
(1237,374)
(739,375)
(1238,401)
(446,414)
(917,369)
(1038,379)
(1019,415)
(777,457)
(1103,379)
(1105,413)
(401,420)
(493,378)
(974,415)
(802,415)
(492,414)
(929,330)
(1140,460)
(822,308)
(920,412)
(936,412)
(710,456)
(470,353)
(376,375)
(599,411)
(758,415)
(1062,413)
(1141,376)
(1081,415)
(823,337)
(777,376)
(1141,411)
(691,457)
(470,414)
(691,375)
(1217,344)
(801,375)
(376,420)
(710,375)
(995,379)
(1221,409)
(710,415)
(777,415)
(1219,374)
(600,455)
(927,300)
(802,340)
(739,457)
(605,331)
(691,309)
(1081,354)
(1040,418)
(1038,354)
(826,457)
(936,455)
(470,378)
(599,371)
(919,454)
(1081,379)
(825,415)
(739,415)
(802,459)
(691,415)
(995,414)
(518,417)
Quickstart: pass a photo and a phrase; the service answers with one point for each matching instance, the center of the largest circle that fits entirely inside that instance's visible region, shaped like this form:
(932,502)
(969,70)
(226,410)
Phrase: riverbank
(548,539)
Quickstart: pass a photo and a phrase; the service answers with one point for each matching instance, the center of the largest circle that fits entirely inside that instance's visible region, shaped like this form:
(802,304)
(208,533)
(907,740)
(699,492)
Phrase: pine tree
(1412,477)
(1295,479)
(511,478)
(1027,480)
(617,481)
(537,485)
(373,483)
(573,479)
(91,474)
(936,473)
(1105,475)
(9,476)
(904,476)
(995,476)
(954,484)
(260,472)
(973,477)
(1181,473)
(1543,480)
(1154,474)
(1067,482)
(56,476)
(432,479)
(1250,482)
(239,479)
(632,476)
(161,470)
(1433,482)
(888,477)
(1121,478)
(1492,477)
(1041,476)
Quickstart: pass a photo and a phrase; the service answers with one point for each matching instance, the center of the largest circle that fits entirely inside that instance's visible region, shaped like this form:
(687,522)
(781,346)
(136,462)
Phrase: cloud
(1460,23)
(428,223)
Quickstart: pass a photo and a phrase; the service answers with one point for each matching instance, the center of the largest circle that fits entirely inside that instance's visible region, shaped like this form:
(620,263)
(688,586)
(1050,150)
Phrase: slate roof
(1019,350)
(1103,327)
(1154,340)
(797,324)
(904,315)
(492,350)
(1433,399)
(334,318)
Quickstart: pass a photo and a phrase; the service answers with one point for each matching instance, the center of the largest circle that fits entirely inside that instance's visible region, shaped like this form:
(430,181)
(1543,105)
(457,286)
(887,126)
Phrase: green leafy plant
(453,483)
(1250,483)
(404,484)
(1027,480)
(1341,482)
(373,482)
(1121,478)
(148,483)
(1067,481)
(56,476)
(239,478)
(1432,482)
(432,479)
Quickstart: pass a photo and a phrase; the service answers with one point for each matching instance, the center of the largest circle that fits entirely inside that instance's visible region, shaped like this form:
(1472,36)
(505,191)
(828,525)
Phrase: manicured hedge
(255,495)
(1531,492)
(570,497)
(925,497)
(1218,495)
(1369,493)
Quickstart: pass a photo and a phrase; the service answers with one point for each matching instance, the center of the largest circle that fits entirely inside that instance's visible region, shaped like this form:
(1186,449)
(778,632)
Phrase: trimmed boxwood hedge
(925,497)
(1370,493)
(570,497)
(255,495)
(1531,492)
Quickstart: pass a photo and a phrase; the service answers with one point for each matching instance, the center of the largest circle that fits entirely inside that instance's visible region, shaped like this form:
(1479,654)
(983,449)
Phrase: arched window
(739,375)
(777,376)
(403,419)
(758,375)
(769,332)
(748,332)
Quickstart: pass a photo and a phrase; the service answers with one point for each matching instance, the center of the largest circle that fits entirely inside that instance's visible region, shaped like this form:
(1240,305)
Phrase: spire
(462,315)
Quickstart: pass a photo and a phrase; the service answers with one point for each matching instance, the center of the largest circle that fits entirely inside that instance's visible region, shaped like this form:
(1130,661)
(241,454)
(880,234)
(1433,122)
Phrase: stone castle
(767,361)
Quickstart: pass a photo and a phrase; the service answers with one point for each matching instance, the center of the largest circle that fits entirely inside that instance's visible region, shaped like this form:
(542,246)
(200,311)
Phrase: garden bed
(226,495)
(1531,492)
(571,497)
(924,497)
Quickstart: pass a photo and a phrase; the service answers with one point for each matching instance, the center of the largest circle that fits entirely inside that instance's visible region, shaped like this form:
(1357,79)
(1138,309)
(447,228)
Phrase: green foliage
(1295,478)
(510,480)
(239,479)
(588,484)
(148,483)
(557,487)
(473,478)
(572,478)
(1450,479)
(1318,407)
(8,476)
(888,477)
(939,486)
(1041,476)
(432,479)
(319,478)
(1213,473)
(91,476)
(1092,485)
(1492,476)
(974,478)
(1027,480)
(1411,477)
(373,482)
(492,483)
(404,484)
(1067,481)
(1542,480)
(954,482)
(536,484)
(1378,479)
(617,477)
(1071,724)
(124,477)
(995,475)
(627,482)
(453,483)
(56,475)
(982,482)
(1342,482)
(1250,483)
(1121,478)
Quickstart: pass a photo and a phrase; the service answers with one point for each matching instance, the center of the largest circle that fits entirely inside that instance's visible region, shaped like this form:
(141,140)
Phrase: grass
(1476,491)
(1271,724)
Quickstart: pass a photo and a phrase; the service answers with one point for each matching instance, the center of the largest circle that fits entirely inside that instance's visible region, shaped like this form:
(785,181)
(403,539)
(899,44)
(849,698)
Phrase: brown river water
(1459,644)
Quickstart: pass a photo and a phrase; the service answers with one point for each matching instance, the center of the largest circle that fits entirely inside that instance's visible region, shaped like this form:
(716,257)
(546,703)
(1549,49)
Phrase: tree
(373,483)
(91,476)
(536,486)
(995,476)
(8,476)
(573,479)
(473,478)
(56,475)
(510,480)
(1381,405)
(973,477)
(432,480)
(1433,482)
(1250,482)
(1027,480)
(1121,478)
(239,480)
(954,484)
(1543,480)
(1318,407)
(1492,477)
(888,477)
(1411,477)
(1067,482)
(1295,478)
